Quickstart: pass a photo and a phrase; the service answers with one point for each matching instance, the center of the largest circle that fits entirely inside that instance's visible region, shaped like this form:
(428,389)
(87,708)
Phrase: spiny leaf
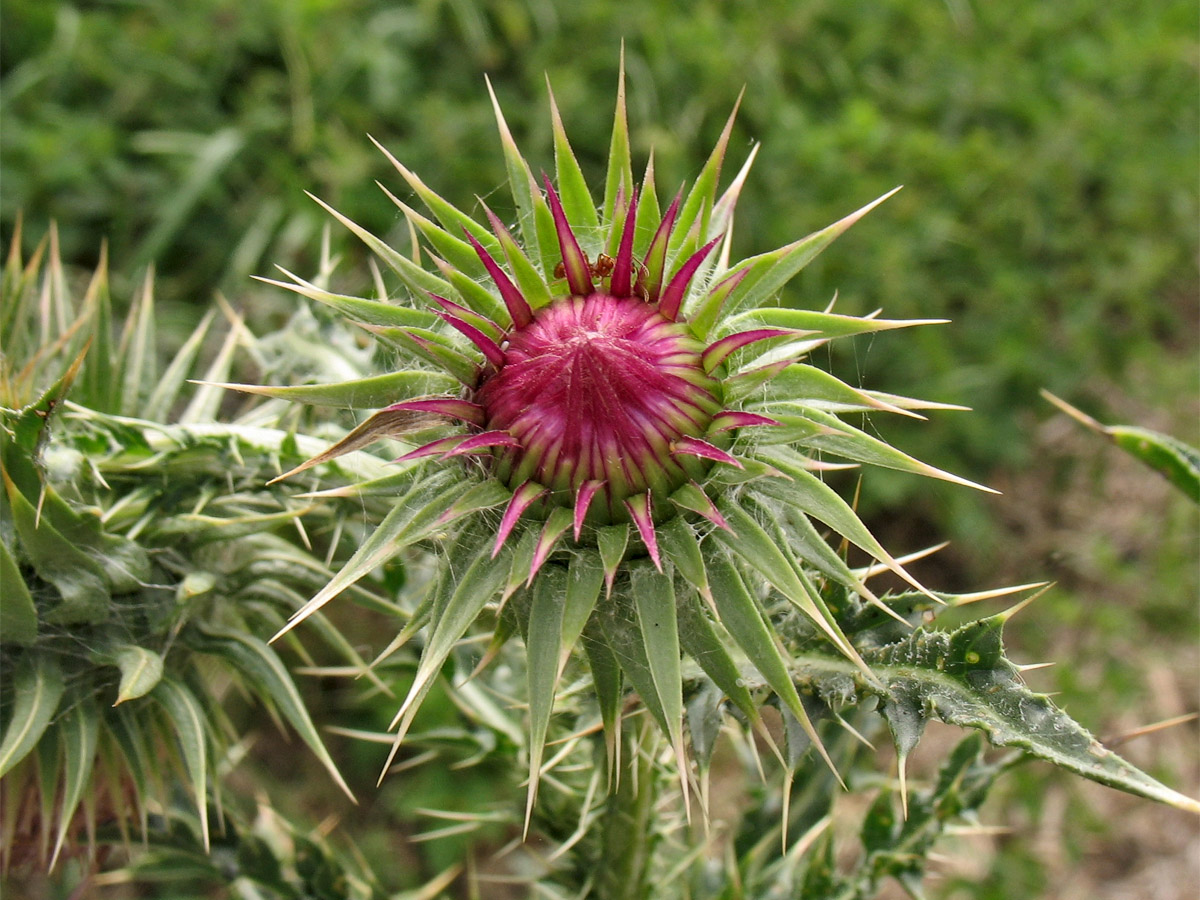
(520,179)
(700,640)
(426,500)
(138,349)
(818,430)
(371,312)
(809,386)
(807,492)
(37,688)
(768,272)
(585,576)
(360,393)
(611,541)
(744,622)
(623,636)
(206,403)
(190,726)
(682,547)
(572,186)
(259,665)
(692,228)
(1178,462)
(543,645)
(619,179)
(654,598)
(479,584)
(77,730)
(451,217)
(607,683)
(79,579)
(963,678)
(817,324)
(18,615)
(749,541)
(166,391)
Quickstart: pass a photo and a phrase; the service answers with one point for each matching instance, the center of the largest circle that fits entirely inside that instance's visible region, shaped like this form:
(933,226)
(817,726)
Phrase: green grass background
(1049,155)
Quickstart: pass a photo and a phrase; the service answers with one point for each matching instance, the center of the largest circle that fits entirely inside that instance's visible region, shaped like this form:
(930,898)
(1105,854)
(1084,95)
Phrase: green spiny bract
(141,555)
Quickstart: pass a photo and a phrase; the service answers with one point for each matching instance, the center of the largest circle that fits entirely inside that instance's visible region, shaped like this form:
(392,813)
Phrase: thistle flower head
(622,432)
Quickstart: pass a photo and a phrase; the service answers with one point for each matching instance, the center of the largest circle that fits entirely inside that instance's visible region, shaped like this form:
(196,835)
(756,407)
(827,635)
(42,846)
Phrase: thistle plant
(141,556)
(613,444)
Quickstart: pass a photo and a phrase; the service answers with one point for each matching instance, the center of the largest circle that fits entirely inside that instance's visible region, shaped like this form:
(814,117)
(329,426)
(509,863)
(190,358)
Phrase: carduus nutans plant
(618,441)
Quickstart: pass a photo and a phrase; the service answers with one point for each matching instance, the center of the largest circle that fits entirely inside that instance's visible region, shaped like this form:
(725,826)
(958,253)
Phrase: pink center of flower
(598,388)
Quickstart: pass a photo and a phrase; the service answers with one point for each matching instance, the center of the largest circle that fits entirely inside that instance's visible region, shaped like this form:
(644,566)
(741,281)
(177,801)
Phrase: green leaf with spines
(435,348)
(680,544)
(821,325)
(138,350)
(704,720)
(166,392)
(963,678)
(396,261)
(262,671)
(429,496)
(451,217)
(585,577)
(649,213)
(618,180)
(572,186)
(206,401)
(700,641)
(467,595)
(654,599)
(607,682)
(369,312)
(804,385)
(125,564)
(83,589)
(768,272)
(77,730)
(818,430)
(190,726)
(806,542)
(520,181)
(691,228)
(805,491)
(619,620)
(611,540)
(37,689)
(18,614)
(543,644)
(1178,462)
(528,279)
(761,552)
(360,393)
(742,618)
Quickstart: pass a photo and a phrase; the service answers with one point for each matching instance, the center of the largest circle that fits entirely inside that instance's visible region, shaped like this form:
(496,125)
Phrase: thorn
(1013,610)
(1119,739)
(1074,412)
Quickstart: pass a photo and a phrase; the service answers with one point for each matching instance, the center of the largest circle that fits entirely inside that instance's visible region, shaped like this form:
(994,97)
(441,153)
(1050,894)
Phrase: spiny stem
(629,838)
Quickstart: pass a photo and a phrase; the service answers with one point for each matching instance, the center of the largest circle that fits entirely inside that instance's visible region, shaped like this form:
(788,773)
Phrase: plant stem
(628,821)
